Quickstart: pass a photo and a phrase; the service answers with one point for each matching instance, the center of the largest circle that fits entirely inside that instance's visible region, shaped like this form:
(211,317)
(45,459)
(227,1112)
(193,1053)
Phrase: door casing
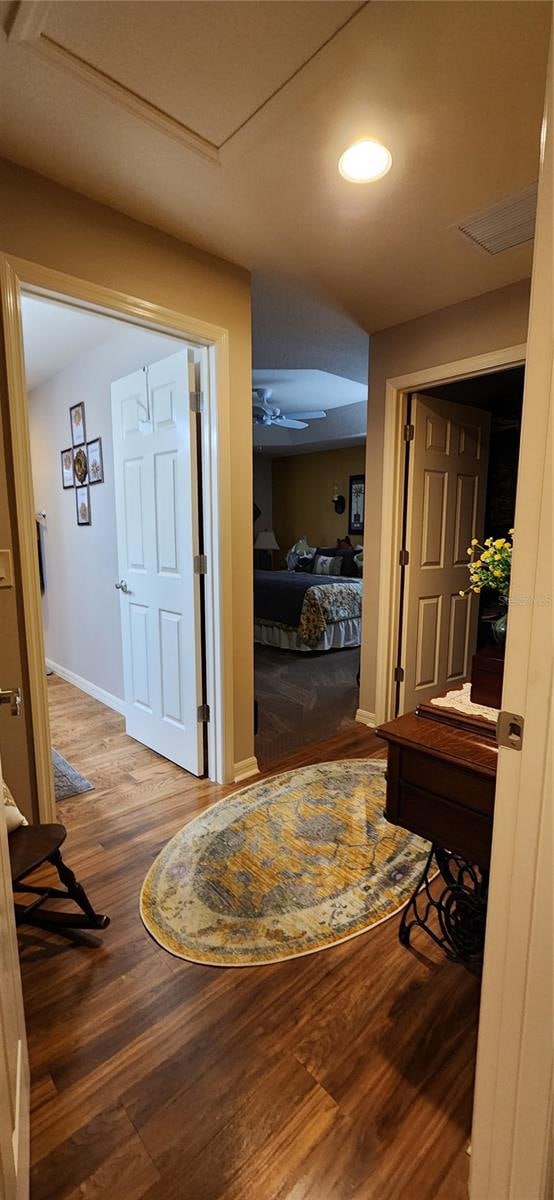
(17,276)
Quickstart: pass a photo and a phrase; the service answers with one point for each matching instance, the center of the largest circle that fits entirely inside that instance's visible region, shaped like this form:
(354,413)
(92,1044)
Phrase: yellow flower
(500,542)
(474,542)
(497,573)
(461,593)
(469,550)
(477,590)
(511,532)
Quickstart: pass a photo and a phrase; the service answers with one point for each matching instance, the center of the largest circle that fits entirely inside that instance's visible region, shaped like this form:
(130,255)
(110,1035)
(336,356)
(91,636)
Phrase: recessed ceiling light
(365,161)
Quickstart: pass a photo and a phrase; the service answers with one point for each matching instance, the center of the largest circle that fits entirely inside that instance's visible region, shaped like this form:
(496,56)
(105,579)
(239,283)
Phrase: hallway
(347,1073)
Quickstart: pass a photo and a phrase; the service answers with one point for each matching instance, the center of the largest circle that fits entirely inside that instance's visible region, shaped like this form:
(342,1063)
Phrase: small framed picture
(78,431)
(356,501)
(95,461)
(67,467)
(83,505)
(80,466)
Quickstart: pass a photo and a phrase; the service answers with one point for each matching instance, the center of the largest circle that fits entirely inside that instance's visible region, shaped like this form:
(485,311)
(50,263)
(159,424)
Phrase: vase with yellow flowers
(490,567)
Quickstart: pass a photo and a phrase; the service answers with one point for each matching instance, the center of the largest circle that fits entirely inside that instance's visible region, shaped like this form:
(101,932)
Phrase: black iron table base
(454,912)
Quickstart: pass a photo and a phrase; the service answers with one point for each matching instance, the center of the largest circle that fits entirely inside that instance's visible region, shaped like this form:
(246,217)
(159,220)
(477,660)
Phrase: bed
(301,611)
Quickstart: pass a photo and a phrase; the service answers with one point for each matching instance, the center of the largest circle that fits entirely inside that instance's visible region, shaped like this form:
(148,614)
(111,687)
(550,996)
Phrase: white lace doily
(461,700)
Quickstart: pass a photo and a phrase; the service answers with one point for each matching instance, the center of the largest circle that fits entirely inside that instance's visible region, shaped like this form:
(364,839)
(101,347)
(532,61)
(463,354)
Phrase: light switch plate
(6,568)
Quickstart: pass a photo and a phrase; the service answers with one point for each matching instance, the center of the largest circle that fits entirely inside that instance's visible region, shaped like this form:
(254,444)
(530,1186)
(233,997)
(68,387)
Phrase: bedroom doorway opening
(460,483)
(309,428)
(308,586)
(116,453)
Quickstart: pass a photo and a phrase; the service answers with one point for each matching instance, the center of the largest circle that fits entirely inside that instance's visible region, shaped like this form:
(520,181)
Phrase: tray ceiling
(222,124)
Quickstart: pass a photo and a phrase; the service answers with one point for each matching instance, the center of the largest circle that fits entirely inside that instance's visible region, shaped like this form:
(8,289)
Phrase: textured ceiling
(222,123)
(293,329)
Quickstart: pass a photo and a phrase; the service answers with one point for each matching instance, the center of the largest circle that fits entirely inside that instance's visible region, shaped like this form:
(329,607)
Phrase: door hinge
(399,674)
(404,558)
(509,730)
(196,400)
(408,433)
(203,712)
(200,563)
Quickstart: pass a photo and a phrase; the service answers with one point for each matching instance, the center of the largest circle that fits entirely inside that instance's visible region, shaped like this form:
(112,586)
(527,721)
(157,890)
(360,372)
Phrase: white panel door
(446,507)
(14,1068)
(156,489)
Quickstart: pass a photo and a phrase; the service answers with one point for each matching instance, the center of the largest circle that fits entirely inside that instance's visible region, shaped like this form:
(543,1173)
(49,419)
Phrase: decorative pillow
(299,550)
(14,818)
(348,566)
(359,560)
(305,563)
(327,565)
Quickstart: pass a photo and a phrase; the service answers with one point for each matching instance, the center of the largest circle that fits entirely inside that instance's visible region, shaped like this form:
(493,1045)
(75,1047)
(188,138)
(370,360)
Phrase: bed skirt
(343,635)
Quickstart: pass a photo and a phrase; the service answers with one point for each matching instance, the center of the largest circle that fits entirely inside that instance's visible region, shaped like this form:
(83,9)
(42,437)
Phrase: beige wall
(45,223)
(302,490)
(490,322)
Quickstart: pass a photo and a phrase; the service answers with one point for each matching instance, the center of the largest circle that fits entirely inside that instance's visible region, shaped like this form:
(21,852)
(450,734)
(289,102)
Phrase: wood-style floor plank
(344,1074)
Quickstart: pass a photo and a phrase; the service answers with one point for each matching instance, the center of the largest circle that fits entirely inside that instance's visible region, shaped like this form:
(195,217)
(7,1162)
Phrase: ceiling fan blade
(288,423)
(309,416)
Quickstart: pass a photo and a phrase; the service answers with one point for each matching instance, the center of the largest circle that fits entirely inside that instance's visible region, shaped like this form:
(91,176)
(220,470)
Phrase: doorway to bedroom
(116,460)
(309,415)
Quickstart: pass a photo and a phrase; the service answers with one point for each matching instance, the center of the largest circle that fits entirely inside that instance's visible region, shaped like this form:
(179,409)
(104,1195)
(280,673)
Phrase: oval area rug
(284,867)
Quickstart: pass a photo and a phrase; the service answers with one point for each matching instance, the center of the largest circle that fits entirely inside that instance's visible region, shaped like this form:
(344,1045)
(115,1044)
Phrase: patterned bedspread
(312,611)
(324,606)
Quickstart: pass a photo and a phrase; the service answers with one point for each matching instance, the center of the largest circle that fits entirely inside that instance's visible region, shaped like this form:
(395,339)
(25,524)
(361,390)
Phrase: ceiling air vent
(507,224)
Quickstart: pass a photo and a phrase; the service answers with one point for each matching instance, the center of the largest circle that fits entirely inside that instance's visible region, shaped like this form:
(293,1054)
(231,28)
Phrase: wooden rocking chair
(30,847)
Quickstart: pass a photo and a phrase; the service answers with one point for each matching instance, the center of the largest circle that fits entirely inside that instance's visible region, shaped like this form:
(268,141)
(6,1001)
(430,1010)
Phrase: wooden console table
(441,778)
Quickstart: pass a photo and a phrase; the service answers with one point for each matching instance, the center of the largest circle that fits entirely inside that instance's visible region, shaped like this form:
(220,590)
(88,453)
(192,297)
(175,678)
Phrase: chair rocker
(30,847)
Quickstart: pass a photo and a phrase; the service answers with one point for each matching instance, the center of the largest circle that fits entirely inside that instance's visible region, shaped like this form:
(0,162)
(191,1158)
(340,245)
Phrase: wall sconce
(339,503)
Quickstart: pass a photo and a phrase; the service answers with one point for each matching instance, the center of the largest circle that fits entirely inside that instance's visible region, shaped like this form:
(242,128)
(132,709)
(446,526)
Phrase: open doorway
(117,466)
(309,491)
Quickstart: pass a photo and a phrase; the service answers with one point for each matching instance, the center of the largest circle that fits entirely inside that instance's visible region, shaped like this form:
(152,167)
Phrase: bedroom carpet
(285,867)
(302,698)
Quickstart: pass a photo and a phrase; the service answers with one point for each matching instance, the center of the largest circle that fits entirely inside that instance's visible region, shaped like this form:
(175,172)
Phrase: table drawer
(454,826)
(463,787)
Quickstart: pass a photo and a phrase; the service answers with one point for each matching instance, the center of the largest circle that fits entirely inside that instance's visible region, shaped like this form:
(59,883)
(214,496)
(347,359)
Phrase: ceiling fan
(264,413)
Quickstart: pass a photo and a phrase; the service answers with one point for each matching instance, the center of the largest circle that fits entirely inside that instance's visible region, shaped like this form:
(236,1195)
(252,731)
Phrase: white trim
(85,685)
(246,769)
(512,1134)
(366,718)
(391,502)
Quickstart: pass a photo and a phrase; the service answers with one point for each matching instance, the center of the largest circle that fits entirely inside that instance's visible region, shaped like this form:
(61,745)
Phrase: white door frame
(397,389)
(17,276)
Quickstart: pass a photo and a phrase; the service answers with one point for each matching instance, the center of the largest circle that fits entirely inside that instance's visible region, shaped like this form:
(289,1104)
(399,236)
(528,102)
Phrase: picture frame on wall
(67,467)
(95,461)
(82,499)
(356,503)
(78,429)
(80,466)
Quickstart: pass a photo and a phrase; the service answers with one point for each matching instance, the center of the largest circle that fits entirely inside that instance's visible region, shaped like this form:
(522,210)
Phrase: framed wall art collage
(82,463)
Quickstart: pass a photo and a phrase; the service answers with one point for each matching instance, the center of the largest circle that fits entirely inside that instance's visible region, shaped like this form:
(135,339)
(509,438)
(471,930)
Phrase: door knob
(11,696)
(122,587)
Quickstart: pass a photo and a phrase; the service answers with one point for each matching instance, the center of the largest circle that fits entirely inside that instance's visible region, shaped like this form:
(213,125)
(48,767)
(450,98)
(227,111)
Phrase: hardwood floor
(347,1073)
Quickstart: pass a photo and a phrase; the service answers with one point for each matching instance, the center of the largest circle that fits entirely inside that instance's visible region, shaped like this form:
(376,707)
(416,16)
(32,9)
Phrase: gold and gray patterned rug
(285,867)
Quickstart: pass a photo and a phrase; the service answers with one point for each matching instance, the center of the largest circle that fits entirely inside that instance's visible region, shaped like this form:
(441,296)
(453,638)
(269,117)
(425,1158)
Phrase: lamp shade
(266,540)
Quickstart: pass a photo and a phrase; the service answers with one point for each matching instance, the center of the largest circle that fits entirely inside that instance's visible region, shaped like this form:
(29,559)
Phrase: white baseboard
(91,689)
(366,718)
(245,769)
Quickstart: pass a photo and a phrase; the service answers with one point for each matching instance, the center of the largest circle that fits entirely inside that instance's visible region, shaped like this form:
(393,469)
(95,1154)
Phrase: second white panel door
(446,508)
(158,537)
